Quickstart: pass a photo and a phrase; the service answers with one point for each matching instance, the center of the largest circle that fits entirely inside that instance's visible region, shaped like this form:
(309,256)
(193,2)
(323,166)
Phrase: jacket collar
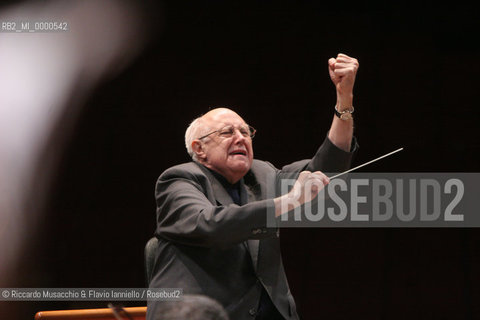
(219,192)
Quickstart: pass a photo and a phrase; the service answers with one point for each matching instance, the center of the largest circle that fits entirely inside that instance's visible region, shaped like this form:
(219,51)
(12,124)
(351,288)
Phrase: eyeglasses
(229,131)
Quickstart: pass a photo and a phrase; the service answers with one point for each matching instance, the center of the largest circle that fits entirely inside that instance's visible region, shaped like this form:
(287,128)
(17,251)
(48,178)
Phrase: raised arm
(343,71)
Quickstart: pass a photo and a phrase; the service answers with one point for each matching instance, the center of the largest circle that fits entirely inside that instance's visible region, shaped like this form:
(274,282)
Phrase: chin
(241,168)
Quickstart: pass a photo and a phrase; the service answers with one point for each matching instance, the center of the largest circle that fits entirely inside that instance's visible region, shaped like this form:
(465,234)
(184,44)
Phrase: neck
(230,178)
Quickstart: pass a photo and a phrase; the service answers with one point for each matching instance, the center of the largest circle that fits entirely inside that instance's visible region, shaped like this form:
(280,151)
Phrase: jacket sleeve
(328,159)
(185,214)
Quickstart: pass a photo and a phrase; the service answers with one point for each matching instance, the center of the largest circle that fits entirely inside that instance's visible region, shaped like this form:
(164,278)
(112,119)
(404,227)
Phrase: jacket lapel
(248,194)
(219,193)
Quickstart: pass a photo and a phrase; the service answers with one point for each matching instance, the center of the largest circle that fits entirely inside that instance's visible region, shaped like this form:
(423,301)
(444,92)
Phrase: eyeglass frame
(250,128)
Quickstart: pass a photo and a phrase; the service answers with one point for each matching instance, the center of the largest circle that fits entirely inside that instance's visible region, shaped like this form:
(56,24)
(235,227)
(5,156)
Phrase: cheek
(220,153)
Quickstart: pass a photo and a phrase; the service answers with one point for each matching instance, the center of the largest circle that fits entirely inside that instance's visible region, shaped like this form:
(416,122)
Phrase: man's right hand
(305,189)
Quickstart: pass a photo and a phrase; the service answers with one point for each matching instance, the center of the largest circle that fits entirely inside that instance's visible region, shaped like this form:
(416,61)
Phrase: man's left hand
(343,71)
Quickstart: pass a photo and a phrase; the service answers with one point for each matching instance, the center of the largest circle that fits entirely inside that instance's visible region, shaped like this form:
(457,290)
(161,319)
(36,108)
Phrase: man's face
(231,156)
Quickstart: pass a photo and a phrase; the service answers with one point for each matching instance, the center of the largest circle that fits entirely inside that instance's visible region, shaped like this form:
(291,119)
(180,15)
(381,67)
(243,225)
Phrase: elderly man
(212,212)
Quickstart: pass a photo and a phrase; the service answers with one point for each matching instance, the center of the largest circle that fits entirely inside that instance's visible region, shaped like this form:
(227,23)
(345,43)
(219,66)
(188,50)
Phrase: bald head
(218,113)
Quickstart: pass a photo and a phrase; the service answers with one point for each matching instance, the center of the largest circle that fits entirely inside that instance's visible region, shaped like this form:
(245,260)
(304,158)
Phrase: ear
(197,148)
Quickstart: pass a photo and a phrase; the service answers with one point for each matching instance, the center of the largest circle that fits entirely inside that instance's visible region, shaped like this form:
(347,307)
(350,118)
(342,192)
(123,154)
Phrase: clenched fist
(343,71)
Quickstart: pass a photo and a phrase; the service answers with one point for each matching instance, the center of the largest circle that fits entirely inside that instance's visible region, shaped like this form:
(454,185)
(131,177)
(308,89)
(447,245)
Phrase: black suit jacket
(209,245)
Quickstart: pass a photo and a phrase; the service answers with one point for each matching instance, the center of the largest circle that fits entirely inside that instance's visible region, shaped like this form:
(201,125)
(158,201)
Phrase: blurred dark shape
(190,307)
(45,79)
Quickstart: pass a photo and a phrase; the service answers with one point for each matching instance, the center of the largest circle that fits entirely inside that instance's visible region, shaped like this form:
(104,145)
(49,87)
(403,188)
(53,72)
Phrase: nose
(238,136)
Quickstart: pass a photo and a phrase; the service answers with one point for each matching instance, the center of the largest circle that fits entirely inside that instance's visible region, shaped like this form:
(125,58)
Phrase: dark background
(416,88)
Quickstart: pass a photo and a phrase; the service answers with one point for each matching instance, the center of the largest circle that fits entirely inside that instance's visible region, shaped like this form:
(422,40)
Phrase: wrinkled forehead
(219,118)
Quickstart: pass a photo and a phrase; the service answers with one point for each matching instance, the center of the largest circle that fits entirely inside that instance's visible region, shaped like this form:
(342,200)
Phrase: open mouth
(238,152)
